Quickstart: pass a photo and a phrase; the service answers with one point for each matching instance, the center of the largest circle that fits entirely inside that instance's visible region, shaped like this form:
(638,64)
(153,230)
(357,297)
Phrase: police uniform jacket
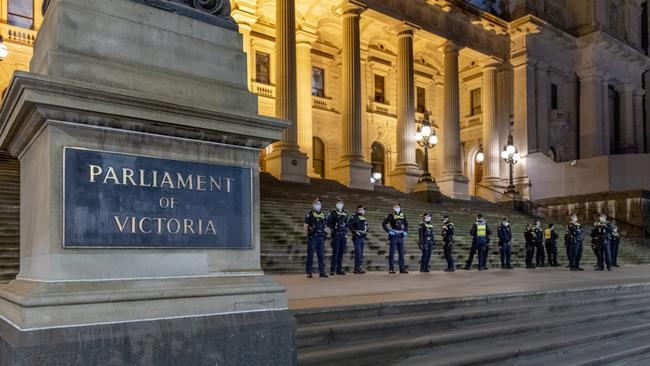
(550,235)
(316,223)
(504,233)
(484,232)
(448,233)
(337,221)
(529,236)
(395,221)
(601,234)
(425,233)
(358,225)
(574,234)
(539,235)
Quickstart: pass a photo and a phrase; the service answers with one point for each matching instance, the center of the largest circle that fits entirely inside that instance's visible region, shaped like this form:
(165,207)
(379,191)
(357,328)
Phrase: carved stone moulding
(216,12)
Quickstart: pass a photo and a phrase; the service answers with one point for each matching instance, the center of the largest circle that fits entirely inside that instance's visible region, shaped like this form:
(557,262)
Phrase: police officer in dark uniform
(540,258)
(315,229)
(601,239)
(359,228)
(472,253)
(505,238)
(338,224)
(616,241)
(481,235)
(550,241)
(573,240)
(426,242)
(447,234)
(396,225)
(529,236)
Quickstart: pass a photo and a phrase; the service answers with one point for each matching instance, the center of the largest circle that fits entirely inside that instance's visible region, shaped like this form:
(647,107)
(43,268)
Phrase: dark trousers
(540,258)
(316,244)
(482,249)
(530,255)
(551,252)
(396,242)
(472,252)
(427,249)
(449,255)
(614,248)
(339,243)
(359,243)
(505,251)
(605,255)
(574,252)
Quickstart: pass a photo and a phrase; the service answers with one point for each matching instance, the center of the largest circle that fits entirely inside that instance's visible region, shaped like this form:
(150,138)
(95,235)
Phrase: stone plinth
(428,191)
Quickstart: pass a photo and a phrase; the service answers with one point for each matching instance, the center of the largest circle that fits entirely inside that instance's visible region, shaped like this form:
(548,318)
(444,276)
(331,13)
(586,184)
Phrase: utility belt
(317,233)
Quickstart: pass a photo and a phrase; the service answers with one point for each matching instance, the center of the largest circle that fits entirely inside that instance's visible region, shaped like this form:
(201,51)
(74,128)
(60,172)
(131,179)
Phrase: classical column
(627,118)
(606,123)
(542,88)
(523,132)
(352,170)
(638,120)
(491,143)
(591,114)
(452,182)
(439,117)
(244,15)
(304,40)
(406,172)
(285,161)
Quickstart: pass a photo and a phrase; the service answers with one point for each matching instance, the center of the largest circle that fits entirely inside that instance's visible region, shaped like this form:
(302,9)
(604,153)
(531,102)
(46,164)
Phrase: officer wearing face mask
(601,243)
(359,227)
(427,241)
(616,241)
(529,236)
(573,240)
(337,221)
(550,241)
(315,229)
(540,258)
(505,238)
(396,225)
(481,235)
(447,234)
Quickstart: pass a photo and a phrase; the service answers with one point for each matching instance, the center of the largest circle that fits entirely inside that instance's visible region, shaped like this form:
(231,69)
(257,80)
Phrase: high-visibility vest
(547,234)
(480,230)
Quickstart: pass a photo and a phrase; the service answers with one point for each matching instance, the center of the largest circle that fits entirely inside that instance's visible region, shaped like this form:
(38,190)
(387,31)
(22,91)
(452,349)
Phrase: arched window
(318,160)
(21,13)
(419,158)
(377,161)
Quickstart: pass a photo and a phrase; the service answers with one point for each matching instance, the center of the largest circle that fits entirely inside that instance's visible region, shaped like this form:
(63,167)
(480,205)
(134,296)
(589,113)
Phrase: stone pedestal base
(454,186)
(287,163)
(354,174)
(428,191)
(405,178)
(491,189)
(256,338)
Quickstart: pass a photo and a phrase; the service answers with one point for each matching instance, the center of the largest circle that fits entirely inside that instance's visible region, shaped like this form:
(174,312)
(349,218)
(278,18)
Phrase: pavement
(381,287)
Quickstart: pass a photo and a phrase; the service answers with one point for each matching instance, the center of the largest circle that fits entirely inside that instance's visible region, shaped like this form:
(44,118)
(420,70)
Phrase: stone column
(406,172)
(638,120)
(542,98)
(304,40)
(524,133)
(352,170)
(285,161)
(606,123)
(627,118)
(591,114)
(491,144)
(439,113)
(452,182)
(245,17)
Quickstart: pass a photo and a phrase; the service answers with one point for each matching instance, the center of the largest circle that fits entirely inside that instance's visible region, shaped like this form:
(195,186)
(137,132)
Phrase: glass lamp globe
(376,176)
(372,180)
(4,51)
(504,155)
(511,149)
(426,131)
(418,137)
(516,157)
(433,140)
(480,157)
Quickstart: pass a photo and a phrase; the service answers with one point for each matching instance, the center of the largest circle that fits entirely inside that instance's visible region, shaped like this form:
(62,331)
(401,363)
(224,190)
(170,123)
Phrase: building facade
(566,78)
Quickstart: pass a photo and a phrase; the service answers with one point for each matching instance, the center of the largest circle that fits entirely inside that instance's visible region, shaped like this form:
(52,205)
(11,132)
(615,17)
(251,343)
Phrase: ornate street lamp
(426,137)
(480,156)
(375,177)
(511,156)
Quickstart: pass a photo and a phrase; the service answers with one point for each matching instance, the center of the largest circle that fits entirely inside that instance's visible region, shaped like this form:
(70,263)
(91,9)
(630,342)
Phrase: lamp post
(426,137)
(511,156)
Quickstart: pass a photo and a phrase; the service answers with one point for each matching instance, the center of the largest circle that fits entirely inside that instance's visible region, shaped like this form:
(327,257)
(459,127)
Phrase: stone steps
(9,217)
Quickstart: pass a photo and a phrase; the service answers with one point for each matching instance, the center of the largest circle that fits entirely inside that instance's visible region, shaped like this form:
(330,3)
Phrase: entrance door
(318,154)
(377,161)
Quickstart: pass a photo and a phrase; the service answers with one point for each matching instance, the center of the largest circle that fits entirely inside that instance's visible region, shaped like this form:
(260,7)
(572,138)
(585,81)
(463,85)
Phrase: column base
(491,189)
(428,191)
(287,163)
(454,186)
(405,178)
(354,174)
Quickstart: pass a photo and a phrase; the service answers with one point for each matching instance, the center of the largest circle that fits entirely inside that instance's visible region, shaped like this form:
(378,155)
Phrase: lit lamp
(4,51)
(511,156)
(426,137)
(375,178)
(480,157)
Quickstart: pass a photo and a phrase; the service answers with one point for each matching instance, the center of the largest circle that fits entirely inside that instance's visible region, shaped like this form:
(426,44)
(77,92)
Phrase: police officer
(315,229)
(396,225)
(338,224)
(550,240)
(426,242)
(540,258)
(481,234)
(448,242)
(616,241)
(472,252)
(600,235)
(359,227)
(505,249)
(573,240)
(529,236)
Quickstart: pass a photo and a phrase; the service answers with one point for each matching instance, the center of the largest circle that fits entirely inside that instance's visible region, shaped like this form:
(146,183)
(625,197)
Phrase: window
(262,67)
(419,158)
(377,161)
(21,13)
(317,82)
(475,102)
(553,96)
(421,96)
(318,156)
(380,95)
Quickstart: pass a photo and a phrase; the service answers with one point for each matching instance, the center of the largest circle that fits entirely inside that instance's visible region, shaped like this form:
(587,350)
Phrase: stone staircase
(607,325)
(284,205)
(9,217)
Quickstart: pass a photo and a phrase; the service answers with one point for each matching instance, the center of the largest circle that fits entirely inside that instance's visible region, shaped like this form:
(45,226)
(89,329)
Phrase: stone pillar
(285,161)
(542,98)
(606,123)
(304,40)
(439,113)
(245,17)
(627,118)
(406,172)
(352,170)
(452,182)
(638,120)
(524,133)
(491,143)
(591,114)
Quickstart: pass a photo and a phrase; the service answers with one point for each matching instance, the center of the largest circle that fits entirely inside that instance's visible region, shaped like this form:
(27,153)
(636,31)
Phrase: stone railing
(263,90)
(322,103)
(15,34)
(471,121)
(381,108)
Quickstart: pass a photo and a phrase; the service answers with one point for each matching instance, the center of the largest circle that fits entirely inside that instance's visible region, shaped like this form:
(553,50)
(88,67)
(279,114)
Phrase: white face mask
(603,219)
(427,218)
(397,209)
(574,219)
(362,212)
(339,206)
(317,207)
(506,223)
(537,225)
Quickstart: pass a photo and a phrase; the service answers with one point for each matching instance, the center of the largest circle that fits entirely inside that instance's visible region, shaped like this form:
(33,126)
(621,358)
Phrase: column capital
(639,93)
(627,88)
(451,47)
(406,29)
(523,60)
(305,37)
(490,63)
(591,73)
(244,18)
(351,8)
